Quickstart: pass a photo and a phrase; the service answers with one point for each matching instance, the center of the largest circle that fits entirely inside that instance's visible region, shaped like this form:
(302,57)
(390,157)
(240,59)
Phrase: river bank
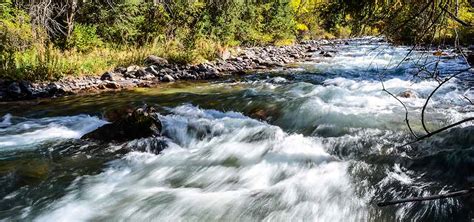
(159,70)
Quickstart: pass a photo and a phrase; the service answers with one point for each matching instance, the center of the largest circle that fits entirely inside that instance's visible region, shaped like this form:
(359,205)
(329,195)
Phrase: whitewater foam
(31,132)
(6,120)
(232,168)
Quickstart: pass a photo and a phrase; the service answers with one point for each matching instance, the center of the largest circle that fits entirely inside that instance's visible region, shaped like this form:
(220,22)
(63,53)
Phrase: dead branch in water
(431,95)
(406,110)
(428,133)
(434,197)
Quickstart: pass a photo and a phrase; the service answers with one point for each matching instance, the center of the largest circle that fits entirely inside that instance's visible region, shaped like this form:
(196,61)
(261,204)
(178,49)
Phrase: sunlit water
(320,142)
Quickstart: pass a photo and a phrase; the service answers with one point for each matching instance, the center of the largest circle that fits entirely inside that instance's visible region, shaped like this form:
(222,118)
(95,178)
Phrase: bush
(84,38)
(125,32)
(16,36)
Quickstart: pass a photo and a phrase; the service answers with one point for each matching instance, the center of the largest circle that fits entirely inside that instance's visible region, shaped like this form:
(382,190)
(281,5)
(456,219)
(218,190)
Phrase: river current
(319,141)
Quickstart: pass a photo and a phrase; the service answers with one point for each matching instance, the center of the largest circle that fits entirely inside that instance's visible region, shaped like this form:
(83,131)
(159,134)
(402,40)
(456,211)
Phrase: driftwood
(434,197)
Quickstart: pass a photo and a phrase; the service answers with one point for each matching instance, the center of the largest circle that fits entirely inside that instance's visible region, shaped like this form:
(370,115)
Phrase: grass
(42,63)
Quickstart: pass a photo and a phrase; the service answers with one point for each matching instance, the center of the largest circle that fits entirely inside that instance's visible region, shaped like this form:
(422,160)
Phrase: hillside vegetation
(50,39)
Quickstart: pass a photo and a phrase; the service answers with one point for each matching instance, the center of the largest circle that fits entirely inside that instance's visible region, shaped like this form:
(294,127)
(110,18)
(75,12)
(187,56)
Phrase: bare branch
(431,95)
(434,197)
(406,111)
(454,17)
(439,131)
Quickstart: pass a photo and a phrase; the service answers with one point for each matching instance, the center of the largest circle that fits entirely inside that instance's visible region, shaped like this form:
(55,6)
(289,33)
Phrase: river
(320,141)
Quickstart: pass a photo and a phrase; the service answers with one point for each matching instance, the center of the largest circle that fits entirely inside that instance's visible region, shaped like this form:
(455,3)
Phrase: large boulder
(140,123)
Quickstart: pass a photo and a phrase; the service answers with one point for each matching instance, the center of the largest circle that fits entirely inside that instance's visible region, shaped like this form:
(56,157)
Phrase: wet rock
(327,54)
(108,76)
(14,89)
(116,114)
(407,94)
(167,78)
(141,123)
(150,145)
(112,85)
(155,60)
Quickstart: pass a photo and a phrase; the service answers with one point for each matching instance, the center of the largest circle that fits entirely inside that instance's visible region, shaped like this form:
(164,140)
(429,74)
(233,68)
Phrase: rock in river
(140,123)
(408,94)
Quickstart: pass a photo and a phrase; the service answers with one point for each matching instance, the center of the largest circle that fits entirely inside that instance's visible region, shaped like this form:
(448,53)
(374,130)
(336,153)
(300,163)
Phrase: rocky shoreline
(159,70)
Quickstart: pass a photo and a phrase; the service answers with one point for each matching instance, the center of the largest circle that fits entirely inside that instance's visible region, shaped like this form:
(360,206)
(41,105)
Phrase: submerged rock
(140,123)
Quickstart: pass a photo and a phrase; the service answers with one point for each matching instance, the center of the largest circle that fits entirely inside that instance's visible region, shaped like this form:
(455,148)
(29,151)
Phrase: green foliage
(109,33)
(84,38)
(41,63)
(15,36)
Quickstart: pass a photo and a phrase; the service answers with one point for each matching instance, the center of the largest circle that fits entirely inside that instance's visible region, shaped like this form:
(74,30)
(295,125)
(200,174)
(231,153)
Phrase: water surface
(318,142)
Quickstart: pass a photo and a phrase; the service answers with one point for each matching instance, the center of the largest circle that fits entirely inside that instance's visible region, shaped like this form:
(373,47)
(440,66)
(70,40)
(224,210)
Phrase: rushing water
(319,142)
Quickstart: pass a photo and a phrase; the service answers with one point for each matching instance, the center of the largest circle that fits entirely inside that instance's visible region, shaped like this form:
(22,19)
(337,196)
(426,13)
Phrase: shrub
(84,38)
(15,37)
